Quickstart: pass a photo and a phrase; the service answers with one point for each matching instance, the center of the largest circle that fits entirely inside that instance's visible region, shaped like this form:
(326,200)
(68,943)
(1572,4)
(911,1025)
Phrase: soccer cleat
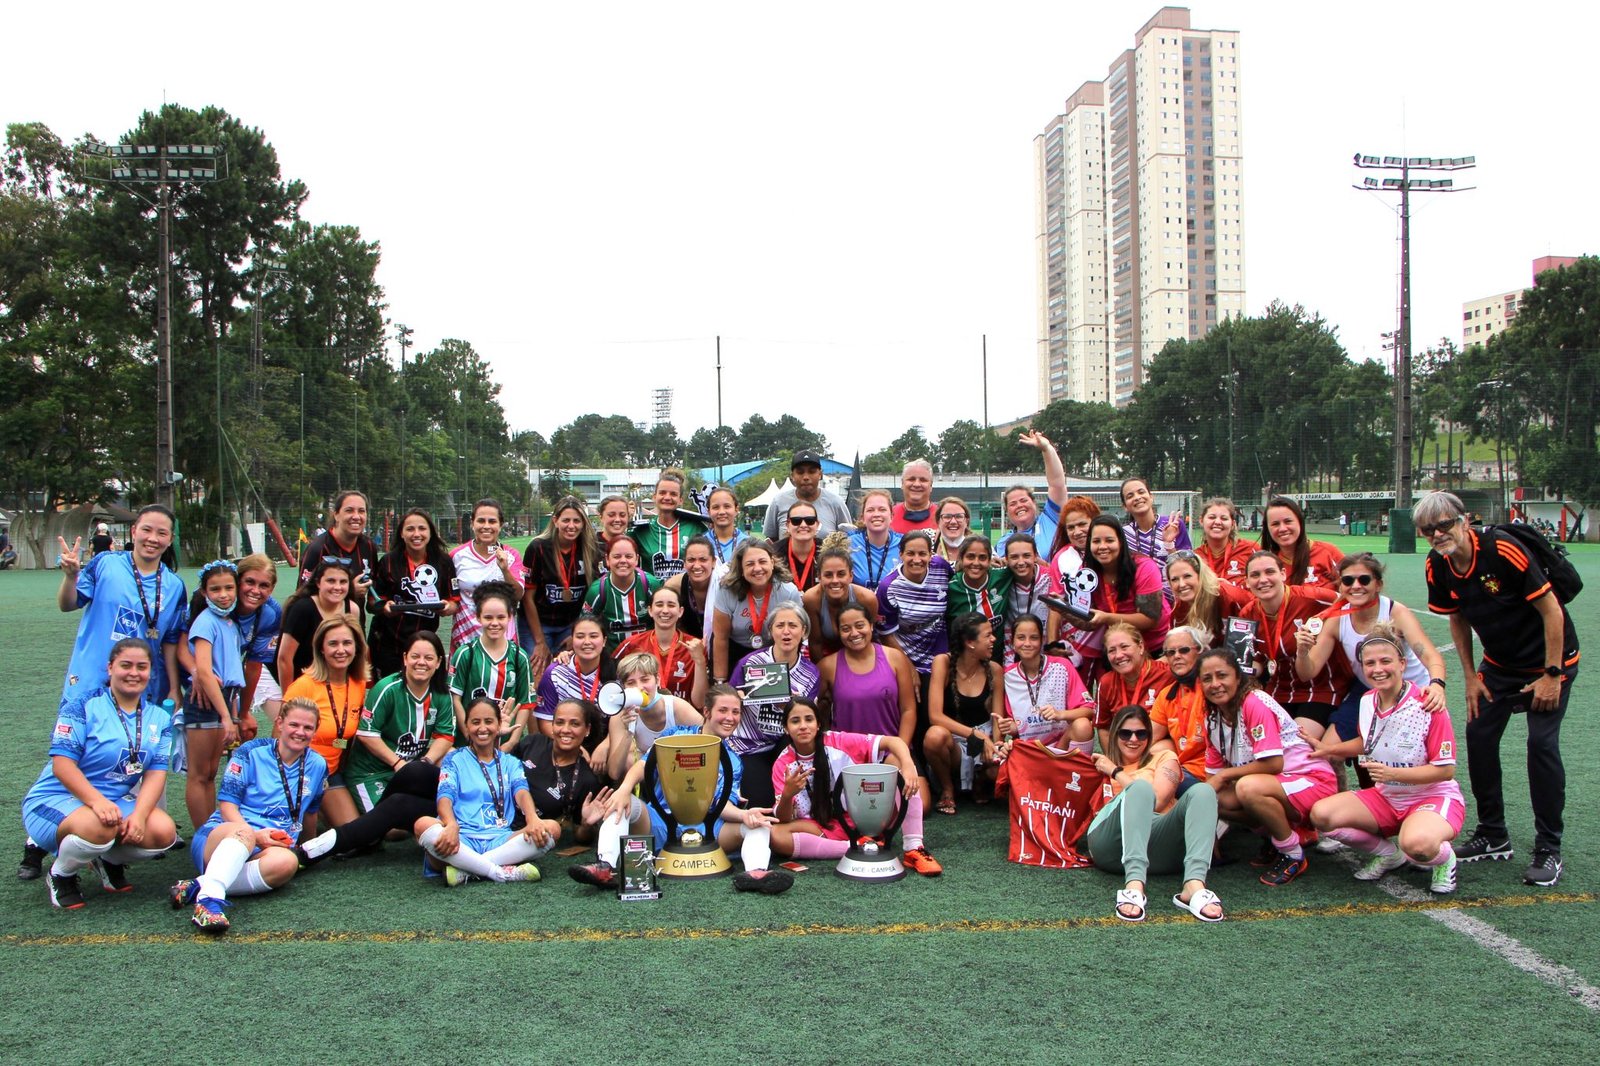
(1443,877)
(113,876)
(767,882)
(456,878)
(183,894)
(32,864)
(1544,870)
(64,891)
(868,845)
(919,860)
(1482,846)
(1285,870)
(1329,846)
(208,916)
(1378,865)
(599,874)
(1266,856)
(525,872)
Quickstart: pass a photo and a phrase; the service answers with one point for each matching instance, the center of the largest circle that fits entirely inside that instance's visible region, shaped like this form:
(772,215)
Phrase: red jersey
(900,522)
(1322,569)
(1229,565)
(677,665)
(1054,797)
(1231,600)
(1116,693)
(1275,642)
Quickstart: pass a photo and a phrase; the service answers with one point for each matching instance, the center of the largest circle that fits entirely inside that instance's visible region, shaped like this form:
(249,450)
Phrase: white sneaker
(1329,846)
(1375,867)
(1443,877)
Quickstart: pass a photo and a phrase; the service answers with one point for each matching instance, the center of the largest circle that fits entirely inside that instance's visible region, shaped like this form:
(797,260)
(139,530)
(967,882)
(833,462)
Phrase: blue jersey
(109,596)
(1044,530)
(253,781)
(95,734)
(870,564)
(258,633)
(465,782)
(736,796)
(227,657)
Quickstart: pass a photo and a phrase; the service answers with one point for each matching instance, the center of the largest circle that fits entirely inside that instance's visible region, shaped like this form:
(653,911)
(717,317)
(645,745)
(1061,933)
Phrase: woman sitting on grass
(965,696)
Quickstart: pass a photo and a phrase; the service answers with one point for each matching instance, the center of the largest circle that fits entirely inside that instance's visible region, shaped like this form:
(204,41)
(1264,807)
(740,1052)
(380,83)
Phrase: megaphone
(614,699)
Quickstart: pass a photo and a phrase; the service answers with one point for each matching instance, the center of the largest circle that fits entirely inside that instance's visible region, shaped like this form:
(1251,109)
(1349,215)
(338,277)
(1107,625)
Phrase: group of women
(346,717)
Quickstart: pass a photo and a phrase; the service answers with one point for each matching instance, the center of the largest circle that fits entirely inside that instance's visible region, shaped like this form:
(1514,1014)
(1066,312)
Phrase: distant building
(1139,211)
(1484,317)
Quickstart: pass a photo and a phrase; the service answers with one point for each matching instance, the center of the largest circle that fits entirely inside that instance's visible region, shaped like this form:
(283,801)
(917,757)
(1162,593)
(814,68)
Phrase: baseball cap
(801,458)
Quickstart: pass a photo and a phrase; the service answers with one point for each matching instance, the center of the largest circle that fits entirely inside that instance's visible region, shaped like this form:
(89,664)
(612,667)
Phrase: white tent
(771,493)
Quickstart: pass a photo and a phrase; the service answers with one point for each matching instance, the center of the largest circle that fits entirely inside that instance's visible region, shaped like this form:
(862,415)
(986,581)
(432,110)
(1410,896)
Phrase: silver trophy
(867,800)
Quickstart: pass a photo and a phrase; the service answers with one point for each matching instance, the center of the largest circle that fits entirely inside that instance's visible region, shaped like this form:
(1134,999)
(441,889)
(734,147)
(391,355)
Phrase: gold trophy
(683,769)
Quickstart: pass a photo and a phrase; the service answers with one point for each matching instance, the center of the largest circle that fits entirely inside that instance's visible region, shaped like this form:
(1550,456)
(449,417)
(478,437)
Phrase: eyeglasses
(1355,579)
(803,520)
(1133,734)
(1429,530)
(1183,650)
(954,516)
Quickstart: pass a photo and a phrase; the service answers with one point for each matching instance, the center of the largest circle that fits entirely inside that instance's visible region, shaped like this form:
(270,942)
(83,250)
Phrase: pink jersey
(473,570)
(1058,685)
(844,749)
(1408,734)
(1264,729)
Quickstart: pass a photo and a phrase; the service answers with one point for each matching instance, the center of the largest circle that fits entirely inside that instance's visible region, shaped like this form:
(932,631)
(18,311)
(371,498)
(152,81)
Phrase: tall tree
(907,446)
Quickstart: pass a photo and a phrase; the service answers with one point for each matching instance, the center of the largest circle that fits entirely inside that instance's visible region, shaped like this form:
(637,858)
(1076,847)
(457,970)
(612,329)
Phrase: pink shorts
(1445,802)
(1304,790)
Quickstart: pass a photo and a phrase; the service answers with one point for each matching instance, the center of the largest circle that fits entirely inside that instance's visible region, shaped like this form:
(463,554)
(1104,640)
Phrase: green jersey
(474,672)
(625,611)
(408,725)
(661,547)
(989,601)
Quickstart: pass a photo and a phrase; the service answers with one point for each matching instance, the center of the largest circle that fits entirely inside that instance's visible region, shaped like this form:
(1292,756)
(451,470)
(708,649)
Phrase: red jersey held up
(1053,796)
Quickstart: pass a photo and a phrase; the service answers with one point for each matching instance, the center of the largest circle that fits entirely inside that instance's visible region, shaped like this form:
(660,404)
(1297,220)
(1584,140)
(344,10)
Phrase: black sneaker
(113,876)
(598,874)
(1544,870)
(32,864)
(1483,846)
(767,882)
(64,891)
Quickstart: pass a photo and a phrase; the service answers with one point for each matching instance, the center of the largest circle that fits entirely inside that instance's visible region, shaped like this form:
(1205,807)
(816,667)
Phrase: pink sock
(1290,846)
(811,846)
(911,828)
(1445,851)
(1082,747)
(1362,840)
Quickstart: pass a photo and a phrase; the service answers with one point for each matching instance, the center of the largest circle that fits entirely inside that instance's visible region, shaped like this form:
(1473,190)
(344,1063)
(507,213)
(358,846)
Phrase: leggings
(1128,837)
(410,794)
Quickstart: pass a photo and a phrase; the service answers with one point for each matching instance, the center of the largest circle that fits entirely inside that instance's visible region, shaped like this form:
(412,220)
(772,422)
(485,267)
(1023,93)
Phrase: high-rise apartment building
(1484,317)
(1140,211)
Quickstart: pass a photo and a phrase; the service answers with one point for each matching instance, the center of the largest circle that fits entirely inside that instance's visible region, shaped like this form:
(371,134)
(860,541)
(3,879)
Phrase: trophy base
(857,865)
(687,861)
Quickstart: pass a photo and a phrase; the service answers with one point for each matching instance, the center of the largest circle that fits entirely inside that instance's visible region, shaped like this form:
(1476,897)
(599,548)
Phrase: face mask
(221,612)
(1189,676)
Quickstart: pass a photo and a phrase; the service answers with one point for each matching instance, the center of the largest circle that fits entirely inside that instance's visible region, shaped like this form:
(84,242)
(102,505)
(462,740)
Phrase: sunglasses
(1355,579)
(1184,650)
(1429,530)
(1133,734)
(803,520)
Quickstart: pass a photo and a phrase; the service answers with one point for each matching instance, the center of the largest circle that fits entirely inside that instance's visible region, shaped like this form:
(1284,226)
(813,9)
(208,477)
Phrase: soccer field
(361,961)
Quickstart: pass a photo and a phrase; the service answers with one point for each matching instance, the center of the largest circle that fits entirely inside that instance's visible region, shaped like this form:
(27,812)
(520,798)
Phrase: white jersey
(1407,735)
(1349,640)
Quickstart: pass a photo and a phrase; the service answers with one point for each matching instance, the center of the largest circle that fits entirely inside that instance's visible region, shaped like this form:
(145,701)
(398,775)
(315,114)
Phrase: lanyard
(562,559)
(583,690)
(757,621)
(883,561)
(724,548)
(138,729)
(664,656)
(1275,634)
(343,713)
(295,800)
(497,796)
(1035,685)
(799,578)
(150,617)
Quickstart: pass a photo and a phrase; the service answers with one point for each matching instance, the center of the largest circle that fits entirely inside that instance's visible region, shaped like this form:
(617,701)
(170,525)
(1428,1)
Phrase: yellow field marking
(587,936)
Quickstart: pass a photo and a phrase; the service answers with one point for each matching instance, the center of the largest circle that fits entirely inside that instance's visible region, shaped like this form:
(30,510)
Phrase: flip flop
(1197,904)
(946,805)
(1130,897)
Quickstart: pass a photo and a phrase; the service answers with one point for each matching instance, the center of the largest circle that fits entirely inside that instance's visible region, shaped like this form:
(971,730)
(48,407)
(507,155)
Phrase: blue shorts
(197,847)
(43,819)
(1346,718)
(483,843)
(1188,782)
(658,827)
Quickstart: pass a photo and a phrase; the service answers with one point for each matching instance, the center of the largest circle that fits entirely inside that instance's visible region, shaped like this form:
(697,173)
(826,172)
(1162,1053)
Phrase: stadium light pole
(1402,535)
(402,336)
(131,167)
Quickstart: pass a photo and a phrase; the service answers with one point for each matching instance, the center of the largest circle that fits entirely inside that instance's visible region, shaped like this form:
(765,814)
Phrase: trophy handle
(843,814)
(648,787)
(723,794)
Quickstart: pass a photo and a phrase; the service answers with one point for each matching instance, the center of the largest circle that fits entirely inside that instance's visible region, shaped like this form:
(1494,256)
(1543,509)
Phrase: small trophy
(1240,637)
(686,766)
(867,801)
(638,869)
(1077,603)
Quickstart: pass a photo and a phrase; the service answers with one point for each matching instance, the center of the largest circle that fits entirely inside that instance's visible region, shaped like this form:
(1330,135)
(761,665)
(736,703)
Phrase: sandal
(1197,904)
(946,805)
(1130,897)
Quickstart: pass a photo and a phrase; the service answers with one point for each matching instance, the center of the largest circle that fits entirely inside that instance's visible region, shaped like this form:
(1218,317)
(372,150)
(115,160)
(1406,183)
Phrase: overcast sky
(591,193)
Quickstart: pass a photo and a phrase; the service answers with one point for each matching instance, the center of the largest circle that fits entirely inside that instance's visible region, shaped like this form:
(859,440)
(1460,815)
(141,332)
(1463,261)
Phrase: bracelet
(1436,681)
(396,764)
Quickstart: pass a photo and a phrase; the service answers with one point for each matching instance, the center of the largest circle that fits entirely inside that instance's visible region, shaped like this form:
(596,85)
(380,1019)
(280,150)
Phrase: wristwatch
(1552,671)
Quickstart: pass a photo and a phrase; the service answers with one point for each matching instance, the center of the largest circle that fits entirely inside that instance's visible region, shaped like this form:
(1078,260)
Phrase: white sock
(122,854)
(756,851)
(464,858)
(222,869)
(519,849)
(73,853)
(608,842)
(250,881)
(320,845)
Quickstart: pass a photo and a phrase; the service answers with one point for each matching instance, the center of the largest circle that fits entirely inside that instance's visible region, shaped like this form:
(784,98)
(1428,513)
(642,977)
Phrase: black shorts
(1320,713)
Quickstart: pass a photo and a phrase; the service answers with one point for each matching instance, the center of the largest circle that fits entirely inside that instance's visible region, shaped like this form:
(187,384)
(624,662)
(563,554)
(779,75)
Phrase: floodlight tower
(663,408)
(1402,535)
(164,165)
